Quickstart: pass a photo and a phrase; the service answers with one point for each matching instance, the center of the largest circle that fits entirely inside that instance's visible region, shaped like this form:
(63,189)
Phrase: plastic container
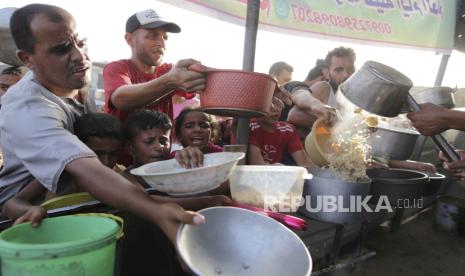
(269,187)
(67,245)
(317,143)
(450,214)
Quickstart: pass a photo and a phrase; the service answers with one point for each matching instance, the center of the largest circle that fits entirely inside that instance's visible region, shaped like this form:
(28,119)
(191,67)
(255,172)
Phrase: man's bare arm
(133,96)
(114,190)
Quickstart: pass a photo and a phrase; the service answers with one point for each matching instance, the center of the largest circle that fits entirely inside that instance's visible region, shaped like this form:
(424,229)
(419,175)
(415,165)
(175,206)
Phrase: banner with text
(425,24)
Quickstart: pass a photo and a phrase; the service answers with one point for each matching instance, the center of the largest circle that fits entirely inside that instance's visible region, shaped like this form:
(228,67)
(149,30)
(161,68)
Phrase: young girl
(193,128)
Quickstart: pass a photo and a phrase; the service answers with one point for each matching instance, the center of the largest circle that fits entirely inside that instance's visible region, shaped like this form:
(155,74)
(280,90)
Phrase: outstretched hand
(456,168)
(189,157)
(173,216)
(35,215)
(186,78)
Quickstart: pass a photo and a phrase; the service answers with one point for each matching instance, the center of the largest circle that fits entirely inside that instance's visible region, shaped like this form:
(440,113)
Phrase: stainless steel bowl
(235,241)
(393,144)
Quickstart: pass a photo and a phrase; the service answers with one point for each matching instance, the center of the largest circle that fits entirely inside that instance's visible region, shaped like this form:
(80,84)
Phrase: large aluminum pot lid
(387,73)
(7,45)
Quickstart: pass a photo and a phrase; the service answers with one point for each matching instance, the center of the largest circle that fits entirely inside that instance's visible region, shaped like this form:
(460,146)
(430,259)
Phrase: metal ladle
(382,90)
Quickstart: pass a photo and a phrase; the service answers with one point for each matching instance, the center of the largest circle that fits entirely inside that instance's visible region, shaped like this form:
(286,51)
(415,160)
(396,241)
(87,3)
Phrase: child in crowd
(270,139)
(148,140)
(193,128)
(102,133)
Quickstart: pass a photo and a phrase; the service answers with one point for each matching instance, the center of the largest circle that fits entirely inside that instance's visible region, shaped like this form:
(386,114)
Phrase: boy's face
(108,150)
(150,146)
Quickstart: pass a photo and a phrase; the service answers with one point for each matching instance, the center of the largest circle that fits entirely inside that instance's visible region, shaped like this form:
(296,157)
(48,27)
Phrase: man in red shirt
(143,81)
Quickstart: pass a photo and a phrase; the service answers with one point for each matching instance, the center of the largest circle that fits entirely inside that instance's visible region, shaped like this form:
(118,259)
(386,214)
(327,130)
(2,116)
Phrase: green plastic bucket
(67,245)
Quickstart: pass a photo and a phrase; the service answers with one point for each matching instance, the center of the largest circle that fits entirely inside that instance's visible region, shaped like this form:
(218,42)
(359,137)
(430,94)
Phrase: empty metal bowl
(235,241)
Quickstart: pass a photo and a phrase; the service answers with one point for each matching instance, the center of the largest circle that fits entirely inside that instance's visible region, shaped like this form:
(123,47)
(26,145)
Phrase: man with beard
(339,66)
(37,126)
(143,81)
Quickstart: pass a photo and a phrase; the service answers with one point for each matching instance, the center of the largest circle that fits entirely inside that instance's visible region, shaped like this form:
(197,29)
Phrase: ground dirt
(417,248)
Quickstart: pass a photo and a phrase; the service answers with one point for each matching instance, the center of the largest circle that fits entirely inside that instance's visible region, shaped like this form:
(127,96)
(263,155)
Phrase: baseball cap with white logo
(149,19)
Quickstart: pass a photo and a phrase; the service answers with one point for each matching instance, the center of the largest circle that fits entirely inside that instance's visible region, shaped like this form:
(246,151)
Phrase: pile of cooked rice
(349,147)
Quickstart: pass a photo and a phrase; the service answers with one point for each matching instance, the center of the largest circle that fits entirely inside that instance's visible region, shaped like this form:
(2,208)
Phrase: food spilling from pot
(343,148)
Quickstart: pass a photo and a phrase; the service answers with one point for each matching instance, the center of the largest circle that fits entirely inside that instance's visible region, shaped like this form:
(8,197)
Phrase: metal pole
(416,155)
(248,62)
(441,70)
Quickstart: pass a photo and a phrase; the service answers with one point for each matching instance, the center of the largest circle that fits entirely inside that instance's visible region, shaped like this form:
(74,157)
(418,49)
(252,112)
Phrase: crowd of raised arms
(54,140)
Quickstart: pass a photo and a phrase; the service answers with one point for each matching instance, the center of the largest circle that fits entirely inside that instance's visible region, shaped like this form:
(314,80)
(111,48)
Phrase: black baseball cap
(149,19)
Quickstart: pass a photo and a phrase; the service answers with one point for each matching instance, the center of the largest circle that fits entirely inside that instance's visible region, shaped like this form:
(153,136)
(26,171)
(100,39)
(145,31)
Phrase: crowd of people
(54,143)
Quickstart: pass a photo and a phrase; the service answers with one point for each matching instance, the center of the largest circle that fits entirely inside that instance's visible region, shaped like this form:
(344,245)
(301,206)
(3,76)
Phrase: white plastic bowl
(169,177)
(275,187)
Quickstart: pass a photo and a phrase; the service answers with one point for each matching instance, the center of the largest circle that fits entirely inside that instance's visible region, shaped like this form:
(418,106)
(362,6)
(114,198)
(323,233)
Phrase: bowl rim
(140,170)
(266,168)
(196,272)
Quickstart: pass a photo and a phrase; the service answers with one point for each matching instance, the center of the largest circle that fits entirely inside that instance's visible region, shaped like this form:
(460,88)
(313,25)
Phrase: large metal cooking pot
(7,45)
(393,144)
(236,93)
(438,95)
(397,185)
(384,91)
(235,241)
(325,184)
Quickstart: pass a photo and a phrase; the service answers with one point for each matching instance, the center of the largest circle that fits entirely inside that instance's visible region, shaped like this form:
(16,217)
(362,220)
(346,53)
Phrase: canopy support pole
(416,155)
(441,70)
(248,62)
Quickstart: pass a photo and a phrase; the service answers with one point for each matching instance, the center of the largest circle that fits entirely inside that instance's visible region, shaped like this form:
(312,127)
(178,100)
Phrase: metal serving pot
(438,95)
(324,183)
(236,93)
(394,144)
(7,45)
(384,91)
(396,184)
(378,89)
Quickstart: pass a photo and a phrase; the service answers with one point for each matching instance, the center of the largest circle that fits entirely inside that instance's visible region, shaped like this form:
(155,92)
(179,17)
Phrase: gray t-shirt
(36,136)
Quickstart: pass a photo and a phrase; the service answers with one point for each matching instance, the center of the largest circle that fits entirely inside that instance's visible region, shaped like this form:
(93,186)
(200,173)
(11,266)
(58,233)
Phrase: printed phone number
(320,18)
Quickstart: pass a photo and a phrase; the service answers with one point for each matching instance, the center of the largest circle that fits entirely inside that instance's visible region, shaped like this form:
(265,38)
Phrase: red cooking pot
(235,93)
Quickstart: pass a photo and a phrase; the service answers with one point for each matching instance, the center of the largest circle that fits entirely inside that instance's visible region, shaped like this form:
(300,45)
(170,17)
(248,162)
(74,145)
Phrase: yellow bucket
(317,143)
(67,200)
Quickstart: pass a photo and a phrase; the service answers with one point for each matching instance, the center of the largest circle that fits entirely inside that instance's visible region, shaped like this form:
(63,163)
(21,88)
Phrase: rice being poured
(349,148)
